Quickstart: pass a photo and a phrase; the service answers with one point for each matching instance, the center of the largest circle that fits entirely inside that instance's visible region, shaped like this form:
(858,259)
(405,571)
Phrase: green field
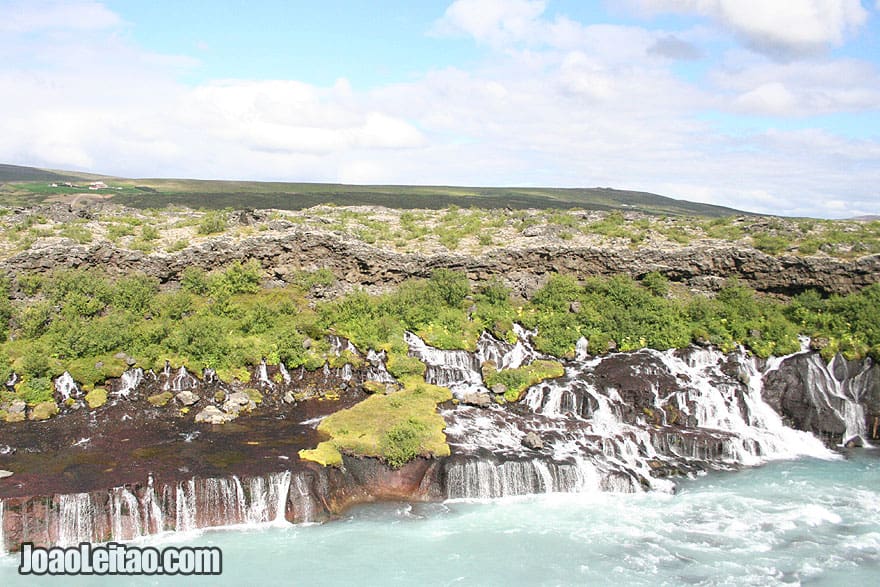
(27,185)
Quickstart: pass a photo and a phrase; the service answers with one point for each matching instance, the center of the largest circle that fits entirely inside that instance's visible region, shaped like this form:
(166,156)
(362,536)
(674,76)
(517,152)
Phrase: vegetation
(395,428)
(517,381)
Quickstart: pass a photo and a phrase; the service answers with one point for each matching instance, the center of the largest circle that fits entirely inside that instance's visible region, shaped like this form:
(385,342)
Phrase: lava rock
(213,415)
(187,398)
(499,389)
(479,399)
(533,441)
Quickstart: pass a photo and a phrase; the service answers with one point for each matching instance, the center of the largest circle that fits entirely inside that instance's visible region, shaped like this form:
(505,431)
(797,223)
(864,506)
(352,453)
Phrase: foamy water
(788,522)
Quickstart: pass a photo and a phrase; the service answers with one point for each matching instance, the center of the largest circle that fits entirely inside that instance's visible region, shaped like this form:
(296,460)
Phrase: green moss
(230,374)
(254,395)
(395,428)
(374,387)
(44,410)
(160,399)
(324,454)
(96,398)
(517,381)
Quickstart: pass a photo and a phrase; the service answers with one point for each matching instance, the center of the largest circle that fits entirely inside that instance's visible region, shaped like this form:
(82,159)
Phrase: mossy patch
(160,399)
(374,387)
(231,374)
(96,398)
(44,411)
(395,428)
(254,395)
(324,454)
(517,381)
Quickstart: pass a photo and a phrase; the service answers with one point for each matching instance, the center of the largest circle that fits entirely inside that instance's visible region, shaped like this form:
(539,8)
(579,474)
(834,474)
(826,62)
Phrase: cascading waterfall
(285,374)
(66,386)
(129,381)
(263,375)
(183,381)
(688,413)
(376,369)
(78,520)
(125,514)
(840,395)
(2,527)
(185,506)
(458,370)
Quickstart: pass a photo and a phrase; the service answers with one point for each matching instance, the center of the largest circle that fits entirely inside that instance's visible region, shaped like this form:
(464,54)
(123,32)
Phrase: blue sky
(766,106)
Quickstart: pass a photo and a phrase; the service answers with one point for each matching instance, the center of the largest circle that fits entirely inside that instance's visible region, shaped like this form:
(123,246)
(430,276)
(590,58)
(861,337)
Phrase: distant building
(97,185)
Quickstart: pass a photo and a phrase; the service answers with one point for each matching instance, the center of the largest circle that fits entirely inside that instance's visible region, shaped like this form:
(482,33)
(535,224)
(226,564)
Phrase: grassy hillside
(28,185)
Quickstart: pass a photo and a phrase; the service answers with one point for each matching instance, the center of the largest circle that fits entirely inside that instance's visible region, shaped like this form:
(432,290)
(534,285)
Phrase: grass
(517,381)
(395,428)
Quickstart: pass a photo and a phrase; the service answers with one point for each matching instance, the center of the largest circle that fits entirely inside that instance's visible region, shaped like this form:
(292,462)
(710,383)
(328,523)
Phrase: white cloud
(555,103)
(495,22)
(25,16)
(801,88)
(786,27)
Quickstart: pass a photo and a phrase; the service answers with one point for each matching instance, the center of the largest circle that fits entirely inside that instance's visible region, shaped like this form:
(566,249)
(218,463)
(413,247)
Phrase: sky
(771,106)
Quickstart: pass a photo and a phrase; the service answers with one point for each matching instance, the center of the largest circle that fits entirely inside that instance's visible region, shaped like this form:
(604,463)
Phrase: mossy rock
(324,454)
(96,398)
(44,411)
(160,399)
(254,394)
(220,397)
(374,387)
(231,374)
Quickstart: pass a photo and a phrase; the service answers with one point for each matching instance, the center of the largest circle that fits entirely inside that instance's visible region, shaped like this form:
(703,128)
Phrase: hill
(26,185)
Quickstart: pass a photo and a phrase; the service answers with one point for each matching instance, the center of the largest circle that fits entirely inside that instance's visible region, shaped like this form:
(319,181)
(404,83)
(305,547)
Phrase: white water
(263,375)
(66,386)
(840,395)
(130,381)
(797,522)
(593,430)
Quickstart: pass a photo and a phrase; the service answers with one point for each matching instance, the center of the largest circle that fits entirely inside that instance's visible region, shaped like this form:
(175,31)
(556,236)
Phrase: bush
(212,223)
(135,293)
(402,443)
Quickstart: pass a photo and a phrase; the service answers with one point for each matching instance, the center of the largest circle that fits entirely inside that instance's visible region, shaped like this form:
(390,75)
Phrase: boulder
(213,415)
(499,389)
(479,399)
(187,398)
(532,441)
(4,473)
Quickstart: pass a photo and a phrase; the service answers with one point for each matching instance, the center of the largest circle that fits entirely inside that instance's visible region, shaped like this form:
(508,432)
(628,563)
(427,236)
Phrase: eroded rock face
(357,263)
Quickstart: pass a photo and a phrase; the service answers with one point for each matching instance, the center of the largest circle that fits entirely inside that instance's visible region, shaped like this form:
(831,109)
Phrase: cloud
(25,16)
(554,102)
(801,88)
(495,22)
(786,29)
(672,47)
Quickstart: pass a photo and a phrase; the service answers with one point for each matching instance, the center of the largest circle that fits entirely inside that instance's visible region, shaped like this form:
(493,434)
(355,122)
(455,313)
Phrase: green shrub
(770,244)
(212,223)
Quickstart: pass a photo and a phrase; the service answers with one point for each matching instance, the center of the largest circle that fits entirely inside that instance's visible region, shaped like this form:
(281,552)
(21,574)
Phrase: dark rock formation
(357,263)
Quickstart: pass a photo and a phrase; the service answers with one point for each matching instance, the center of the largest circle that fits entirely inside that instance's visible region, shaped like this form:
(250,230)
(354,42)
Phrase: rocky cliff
(289,249)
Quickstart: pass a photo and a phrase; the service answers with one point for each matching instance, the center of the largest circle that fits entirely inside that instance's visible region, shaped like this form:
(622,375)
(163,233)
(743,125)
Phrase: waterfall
(504,354)
(376,369)
(485,479)
(183,381)
(185,506)
(458,370)
(130,381)
(627,420)
(78,520)
(285,374)
(125,515)
(2,528)
(12,381)
(263,375)
(66,386)
(841,395)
